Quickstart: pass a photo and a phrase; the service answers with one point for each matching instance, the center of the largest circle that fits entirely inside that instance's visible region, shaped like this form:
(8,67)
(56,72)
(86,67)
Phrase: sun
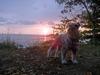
(46,31)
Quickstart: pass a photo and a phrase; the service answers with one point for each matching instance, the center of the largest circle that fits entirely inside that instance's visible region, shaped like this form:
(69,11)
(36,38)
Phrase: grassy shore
(33,61)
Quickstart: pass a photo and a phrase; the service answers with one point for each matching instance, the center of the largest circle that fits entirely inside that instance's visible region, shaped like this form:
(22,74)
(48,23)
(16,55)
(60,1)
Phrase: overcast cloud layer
(27,12)
(27,16)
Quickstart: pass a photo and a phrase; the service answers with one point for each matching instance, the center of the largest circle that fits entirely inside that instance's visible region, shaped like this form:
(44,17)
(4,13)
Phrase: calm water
(20,39)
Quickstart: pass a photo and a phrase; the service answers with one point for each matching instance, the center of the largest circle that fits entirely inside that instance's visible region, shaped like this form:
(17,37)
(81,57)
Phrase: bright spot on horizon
(46,31)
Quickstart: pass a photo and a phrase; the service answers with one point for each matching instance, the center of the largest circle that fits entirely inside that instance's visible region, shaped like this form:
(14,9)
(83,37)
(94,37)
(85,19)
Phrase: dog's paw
(64,62)
(75,62)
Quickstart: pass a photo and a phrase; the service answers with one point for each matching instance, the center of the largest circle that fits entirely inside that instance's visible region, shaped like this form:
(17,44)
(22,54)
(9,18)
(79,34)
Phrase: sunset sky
(28,16)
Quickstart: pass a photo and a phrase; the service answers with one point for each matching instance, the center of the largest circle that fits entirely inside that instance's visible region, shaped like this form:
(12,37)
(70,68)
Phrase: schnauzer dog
(68,41)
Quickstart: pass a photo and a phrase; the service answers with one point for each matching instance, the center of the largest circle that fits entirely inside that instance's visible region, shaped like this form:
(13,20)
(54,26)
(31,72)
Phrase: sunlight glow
(46,31)
(83,29)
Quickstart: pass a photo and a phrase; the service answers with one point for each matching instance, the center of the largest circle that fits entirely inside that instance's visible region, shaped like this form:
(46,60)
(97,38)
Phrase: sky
(28,16)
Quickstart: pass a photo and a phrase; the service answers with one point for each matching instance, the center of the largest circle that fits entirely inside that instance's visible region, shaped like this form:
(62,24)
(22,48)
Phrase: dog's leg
(63,56)
(49,52)
(74,56)
(56,52)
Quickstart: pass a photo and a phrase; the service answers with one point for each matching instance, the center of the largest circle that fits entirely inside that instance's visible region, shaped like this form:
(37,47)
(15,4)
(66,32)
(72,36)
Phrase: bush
(8,45)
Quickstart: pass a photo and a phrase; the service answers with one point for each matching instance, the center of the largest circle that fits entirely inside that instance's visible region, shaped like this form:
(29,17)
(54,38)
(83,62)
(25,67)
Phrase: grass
(8,45)
(33,61)
(89,50)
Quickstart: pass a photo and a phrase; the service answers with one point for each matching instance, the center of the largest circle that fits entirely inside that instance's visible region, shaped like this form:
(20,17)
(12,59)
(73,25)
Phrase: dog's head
(73,26)
(73,30)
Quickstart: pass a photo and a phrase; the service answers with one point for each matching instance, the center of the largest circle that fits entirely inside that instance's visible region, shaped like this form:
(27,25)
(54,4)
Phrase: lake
(23,39)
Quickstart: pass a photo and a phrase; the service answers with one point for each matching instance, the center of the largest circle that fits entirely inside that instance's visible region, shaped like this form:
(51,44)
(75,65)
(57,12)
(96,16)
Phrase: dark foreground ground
(33,61)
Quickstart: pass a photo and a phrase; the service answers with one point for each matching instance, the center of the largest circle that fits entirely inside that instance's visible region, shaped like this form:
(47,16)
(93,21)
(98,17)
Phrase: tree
(62,27)
(91,9)
(95,18)
(96,21)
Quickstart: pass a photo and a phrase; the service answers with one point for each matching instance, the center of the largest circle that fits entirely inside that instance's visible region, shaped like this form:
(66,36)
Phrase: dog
(68,41)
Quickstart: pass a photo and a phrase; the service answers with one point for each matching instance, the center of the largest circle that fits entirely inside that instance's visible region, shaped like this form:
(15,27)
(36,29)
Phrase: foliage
(61,27)
(88,50)
(8,45)
(92,9)
(95,29)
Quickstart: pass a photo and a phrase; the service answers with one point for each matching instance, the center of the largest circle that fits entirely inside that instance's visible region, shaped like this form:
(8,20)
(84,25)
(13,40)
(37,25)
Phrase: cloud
(9,21)
(23,12)
(2,19)
(51,23)
(27,22)
(32,9)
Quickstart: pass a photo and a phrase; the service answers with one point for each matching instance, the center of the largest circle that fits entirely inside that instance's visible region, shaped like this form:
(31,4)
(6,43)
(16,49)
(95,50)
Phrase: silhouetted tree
(96,23)
(92,11)
(62,26)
